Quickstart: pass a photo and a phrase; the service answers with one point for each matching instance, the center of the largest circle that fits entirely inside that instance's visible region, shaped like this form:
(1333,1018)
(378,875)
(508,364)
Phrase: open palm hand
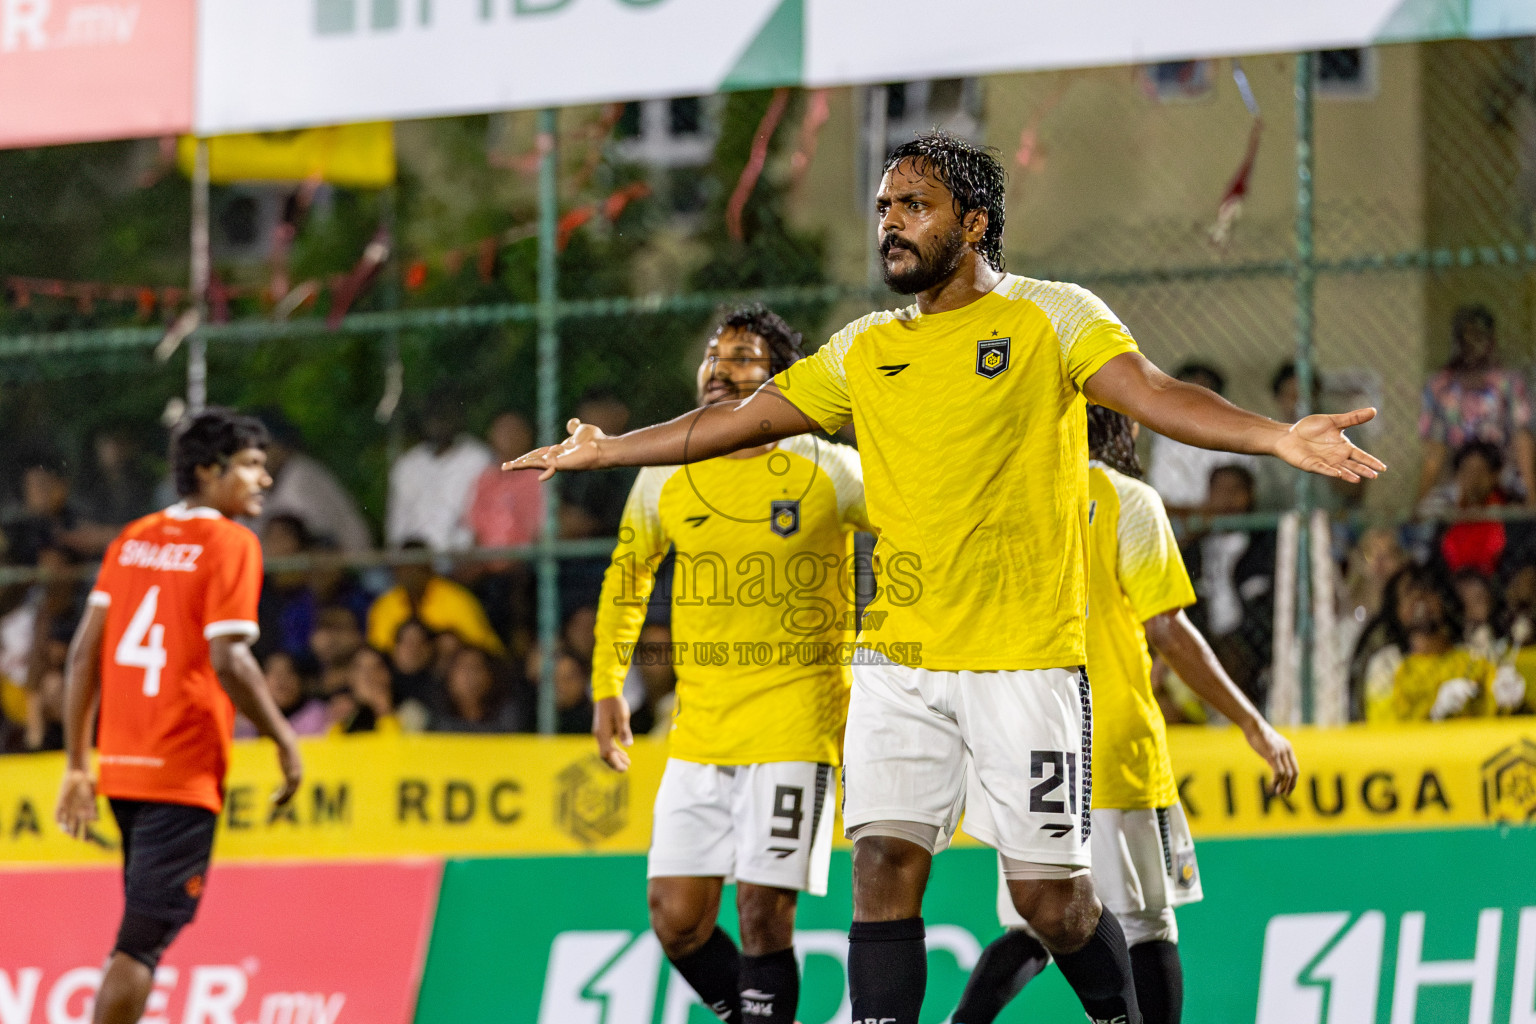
(1317,444)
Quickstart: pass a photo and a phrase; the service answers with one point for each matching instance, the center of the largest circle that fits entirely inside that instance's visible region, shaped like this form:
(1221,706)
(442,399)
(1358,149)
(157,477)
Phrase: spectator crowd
(1436,617)
(437,643)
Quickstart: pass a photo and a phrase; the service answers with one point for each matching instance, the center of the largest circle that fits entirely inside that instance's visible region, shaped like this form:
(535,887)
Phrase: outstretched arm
(1187,653)
(1130,384)
(719,429)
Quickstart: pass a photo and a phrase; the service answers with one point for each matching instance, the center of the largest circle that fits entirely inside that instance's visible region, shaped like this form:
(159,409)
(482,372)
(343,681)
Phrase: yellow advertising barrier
(384,796)
(1362,778)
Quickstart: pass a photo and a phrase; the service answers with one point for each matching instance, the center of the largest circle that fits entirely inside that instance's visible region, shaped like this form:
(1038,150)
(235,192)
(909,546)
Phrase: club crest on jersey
(785,517)
(991,356)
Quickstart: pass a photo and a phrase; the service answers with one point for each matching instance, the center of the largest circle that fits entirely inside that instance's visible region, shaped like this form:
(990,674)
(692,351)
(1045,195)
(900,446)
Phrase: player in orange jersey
(165,648)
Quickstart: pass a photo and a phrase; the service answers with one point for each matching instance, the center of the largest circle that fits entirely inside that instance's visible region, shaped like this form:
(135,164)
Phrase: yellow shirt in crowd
(1134,573)
(446,607)
(972,431)
(1415,682)
(762,599)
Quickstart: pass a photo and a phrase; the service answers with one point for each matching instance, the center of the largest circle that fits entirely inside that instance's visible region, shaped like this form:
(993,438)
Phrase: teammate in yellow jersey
(761,622)
(969,406)
(1143,856)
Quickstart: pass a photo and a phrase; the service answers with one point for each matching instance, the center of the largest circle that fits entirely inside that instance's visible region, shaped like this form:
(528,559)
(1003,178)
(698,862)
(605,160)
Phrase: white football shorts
(1026,734)
(764,824)
(1143,867)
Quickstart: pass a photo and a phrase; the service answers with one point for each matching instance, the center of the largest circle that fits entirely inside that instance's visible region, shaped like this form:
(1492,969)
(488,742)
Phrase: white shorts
(1143,867)
(764,824)
(1028,737)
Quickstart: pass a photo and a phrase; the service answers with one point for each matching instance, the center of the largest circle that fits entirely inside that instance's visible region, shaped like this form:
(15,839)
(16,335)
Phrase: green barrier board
(1384,928)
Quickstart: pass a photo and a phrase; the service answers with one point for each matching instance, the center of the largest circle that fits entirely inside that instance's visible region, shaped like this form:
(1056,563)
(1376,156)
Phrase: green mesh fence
(1422,199)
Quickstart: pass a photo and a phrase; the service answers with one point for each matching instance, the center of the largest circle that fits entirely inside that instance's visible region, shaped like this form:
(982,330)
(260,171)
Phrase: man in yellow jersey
(1143,856)
(761,612)
(969,407)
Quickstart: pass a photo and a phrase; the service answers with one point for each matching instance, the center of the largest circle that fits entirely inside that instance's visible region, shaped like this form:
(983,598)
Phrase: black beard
(932,268)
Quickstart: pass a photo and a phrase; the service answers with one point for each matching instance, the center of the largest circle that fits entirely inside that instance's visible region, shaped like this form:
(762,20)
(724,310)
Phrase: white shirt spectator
(430,492)
(308,491)
(1181,473)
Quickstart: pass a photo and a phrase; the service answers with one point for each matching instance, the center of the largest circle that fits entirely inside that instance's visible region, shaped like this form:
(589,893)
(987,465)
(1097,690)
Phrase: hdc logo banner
(273,64)
(300,944)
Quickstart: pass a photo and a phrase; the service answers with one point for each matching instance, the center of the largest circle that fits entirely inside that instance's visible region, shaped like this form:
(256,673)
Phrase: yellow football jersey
(762,599)
(1134,573)
(972,432)
(1416,683)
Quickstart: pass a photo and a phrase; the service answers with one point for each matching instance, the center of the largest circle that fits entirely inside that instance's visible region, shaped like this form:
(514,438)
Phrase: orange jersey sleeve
(170,583)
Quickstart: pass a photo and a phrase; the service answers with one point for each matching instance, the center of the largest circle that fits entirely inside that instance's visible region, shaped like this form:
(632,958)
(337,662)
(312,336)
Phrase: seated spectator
(573,672)
(594,505)
(119,488)
(1478,544)
(505,510)
(480,697)
(286,612)
(48,518)
(417,688)
(304,489)
(1474,398)
(429,485)
(1181,473)
(45,718)
(290,691)
(1233,573)
(367,705)
(333,642)
(1482,616)
(1371,563)
(443,605)
(1434,677)
(1276,479)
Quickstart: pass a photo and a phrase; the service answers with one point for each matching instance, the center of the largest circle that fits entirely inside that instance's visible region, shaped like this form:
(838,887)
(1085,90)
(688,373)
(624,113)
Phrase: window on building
(1345,74)
(1178,81)
(911,108)
(667,133)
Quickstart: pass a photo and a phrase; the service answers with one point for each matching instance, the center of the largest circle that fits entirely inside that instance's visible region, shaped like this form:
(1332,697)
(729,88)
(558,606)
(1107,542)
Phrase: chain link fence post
(548,410)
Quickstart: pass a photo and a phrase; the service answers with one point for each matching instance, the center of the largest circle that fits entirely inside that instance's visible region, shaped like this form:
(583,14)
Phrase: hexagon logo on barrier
(1509,784)
(592,800)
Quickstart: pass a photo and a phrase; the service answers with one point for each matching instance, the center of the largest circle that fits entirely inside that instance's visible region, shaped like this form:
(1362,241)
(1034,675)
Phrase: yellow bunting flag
(355,155)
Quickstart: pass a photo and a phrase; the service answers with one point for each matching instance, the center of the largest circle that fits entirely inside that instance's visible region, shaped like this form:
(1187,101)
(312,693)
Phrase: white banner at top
(275,64)
(894,40)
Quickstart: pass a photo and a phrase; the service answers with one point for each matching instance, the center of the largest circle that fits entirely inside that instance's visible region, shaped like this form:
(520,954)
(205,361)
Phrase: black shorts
(166,848)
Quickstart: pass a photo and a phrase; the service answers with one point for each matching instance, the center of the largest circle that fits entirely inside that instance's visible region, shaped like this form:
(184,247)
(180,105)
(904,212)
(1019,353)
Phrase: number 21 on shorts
(143,642)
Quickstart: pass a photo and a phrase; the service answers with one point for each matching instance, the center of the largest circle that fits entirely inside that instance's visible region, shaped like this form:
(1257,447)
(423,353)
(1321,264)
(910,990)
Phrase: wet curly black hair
(783,340)
(974,177)
(1110,440)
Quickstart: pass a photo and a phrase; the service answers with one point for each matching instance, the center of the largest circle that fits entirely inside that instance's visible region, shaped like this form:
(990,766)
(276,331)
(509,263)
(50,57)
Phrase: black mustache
(891,242)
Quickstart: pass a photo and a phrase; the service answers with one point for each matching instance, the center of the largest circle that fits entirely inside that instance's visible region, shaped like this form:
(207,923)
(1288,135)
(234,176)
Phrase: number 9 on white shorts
(764,824)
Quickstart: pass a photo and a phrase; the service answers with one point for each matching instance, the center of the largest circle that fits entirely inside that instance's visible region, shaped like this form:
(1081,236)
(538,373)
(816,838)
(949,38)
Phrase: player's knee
(888,859)
(681,924)
(767,919)
(144,938)
(889,875)
(1062,913)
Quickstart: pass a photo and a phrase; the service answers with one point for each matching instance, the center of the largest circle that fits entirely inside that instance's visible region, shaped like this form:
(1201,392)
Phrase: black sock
(887,970)
(1005,967)
(1100,974)
(770,988)
(1159,981)
(713,970)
